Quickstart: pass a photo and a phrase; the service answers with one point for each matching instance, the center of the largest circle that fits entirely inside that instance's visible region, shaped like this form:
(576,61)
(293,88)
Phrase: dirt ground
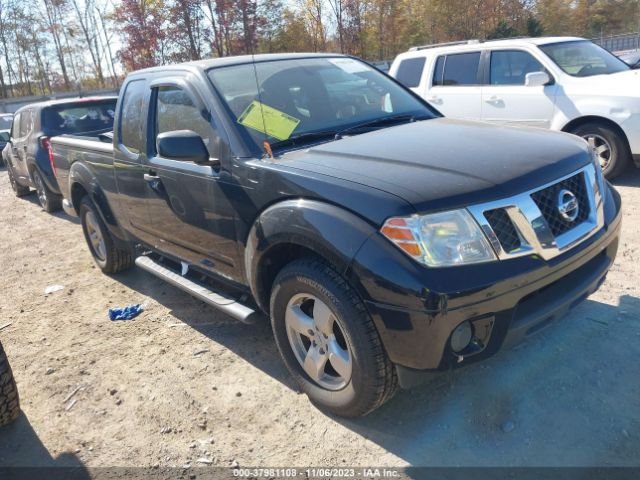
(184,384)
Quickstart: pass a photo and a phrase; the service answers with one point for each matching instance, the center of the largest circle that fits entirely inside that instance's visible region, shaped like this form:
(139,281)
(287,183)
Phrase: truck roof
(419,51)
(235,60)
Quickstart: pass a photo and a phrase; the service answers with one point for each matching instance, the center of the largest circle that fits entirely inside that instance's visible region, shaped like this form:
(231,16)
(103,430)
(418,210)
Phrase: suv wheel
(612,151)
(107,256)
(18,189)
(328,340)
(49,201)
(9,401)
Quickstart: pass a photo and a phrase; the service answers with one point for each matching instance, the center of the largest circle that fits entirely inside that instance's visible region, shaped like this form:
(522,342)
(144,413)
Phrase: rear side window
(457,70)
(131,116)
(510,67)
(15,126)
(78,118)
(25,124)
(410,71)
(176,111)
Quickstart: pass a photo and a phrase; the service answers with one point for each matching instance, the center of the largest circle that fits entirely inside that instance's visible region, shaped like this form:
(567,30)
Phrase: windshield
(583,58)
(78,118)
(303,97)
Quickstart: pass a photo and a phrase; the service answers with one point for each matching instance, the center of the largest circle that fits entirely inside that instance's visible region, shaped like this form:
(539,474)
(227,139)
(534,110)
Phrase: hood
(444,163)
(615,84)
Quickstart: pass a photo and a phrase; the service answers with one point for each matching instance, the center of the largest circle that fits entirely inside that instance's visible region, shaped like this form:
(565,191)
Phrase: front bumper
(505,301)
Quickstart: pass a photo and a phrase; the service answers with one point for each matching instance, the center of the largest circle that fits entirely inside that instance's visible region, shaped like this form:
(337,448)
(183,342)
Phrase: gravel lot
(182,382)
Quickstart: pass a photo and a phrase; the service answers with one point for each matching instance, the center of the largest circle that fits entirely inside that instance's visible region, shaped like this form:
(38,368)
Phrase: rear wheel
(49,201)
(611,149)
(328,340)
(106,254)
(9,401)
(18,189)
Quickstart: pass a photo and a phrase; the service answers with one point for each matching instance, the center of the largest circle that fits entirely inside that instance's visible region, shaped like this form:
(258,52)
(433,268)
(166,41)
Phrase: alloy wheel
(601,147)
(318,341)
(95,236)
(42,194)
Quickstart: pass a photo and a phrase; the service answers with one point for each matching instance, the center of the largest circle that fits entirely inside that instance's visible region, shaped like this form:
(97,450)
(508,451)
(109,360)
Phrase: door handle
(434,99)
(494,99)
(150,177)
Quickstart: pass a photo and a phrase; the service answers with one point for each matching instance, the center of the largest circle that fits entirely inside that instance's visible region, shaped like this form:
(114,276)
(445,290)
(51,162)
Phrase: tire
(371,376)
(18,189)
(9,400)
(49,201)
(107,256)
(615,154)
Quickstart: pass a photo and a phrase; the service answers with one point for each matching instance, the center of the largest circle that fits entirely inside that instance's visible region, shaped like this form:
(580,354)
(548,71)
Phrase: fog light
(461,337)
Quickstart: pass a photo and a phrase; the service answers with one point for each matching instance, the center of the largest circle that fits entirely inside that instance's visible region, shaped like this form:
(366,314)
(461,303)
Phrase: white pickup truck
(562,83)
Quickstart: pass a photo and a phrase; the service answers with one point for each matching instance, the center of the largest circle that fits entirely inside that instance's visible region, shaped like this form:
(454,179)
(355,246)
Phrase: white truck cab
(562,83)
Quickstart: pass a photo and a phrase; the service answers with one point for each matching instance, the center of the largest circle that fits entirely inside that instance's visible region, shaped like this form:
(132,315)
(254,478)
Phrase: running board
(201,292)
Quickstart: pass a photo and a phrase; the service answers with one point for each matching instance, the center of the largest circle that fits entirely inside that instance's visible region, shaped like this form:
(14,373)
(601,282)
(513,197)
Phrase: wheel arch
(294,229)
(577,122)
(83,183)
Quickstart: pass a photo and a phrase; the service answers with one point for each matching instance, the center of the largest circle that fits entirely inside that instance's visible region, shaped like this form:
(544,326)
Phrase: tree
(534,27)
(142,25)
(503,30)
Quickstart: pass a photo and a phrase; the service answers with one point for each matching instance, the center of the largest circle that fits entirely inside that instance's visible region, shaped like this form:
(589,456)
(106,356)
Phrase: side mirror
(537,79)
(182,145)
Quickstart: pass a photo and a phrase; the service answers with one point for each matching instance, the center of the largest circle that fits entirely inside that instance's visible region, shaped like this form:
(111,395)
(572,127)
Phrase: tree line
(52,46)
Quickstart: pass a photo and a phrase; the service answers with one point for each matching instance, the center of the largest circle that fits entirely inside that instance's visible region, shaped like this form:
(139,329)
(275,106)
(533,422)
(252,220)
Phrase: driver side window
(176,111)
(510,67)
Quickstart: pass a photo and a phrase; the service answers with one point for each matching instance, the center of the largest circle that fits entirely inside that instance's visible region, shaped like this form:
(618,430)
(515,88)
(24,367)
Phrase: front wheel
(49,201)
(328,340)
(611,149)
(9,401)
(106,254)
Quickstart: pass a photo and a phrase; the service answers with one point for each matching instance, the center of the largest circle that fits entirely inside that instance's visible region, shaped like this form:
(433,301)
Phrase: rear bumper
(504,302)
(631,128)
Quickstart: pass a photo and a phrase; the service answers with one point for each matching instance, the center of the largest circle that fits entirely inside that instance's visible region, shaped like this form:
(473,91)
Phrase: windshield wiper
(302,138)
(381,122)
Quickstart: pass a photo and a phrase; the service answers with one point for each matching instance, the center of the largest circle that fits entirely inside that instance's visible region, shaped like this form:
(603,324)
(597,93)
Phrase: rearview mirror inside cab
(182,145)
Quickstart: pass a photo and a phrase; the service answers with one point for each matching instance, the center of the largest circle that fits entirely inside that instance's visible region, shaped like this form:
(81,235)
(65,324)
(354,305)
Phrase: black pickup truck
(383,240)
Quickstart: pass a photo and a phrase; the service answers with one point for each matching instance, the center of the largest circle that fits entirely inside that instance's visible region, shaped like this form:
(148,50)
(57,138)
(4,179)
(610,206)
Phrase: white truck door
(506,100)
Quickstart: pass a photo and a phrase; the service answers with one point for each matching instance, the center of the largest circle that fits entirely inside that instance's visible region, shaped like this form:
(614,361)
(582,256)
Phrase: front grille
(547,201)
(504,229)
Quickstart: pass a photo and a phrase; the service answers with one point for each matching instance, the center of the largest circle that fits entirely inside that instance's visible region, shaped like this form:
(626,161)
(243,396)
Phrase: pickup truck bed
(94,151)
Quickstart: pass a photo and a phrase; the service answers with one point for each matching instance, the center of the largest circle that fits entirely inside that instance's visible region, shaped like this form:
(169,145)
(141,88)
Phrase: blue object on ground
(125,313)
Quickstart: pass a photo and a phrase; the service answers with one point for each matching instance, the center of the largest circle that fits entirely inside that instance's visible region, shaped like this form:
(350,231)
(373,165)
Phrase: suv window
(24,128)
(410,71)
(176,111)
(15,126)
(131,116)
(510,67)
(457,70)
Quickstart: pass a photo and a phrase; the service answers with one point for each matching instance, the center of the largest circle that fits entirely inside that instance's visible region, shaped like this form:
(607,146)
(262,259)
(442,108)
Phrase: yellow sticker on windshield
(268,120)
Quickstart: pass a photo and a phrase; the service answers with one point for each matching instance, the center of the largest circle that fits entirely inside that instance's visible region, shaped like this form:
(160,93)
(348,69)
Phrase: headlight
(440,239)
